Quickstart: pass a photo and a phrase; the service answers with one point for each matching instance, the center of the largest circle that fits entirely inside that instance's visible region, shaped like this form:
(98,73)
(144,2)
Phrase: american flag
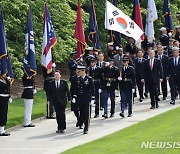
(49,40)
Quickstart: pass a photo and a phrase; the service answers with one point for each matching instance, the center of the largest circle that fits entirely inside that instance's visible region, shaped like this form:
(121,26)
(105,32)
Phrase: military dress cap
(93,60)
(79,67)
(111,59)
(73,53)
(178,27)
(110,43)
(162,28)
(171,40)
(89,48)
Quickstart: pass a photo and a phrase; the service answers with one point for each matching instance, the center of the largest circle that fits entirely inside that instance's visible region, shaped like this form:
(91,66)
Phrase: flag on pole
(79,32)
(115,36)
(93,29)
(137,17)
(5,62)
(29,65)
(116,20)
(49,40)
(168,23)
(151,17)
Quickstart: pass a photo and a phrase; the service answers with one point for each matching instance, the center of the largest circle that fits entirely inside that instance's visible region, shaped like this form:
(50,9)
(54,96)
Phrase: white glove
(100,91)
(92,102)
(35,91)
(119,78)
(73,100)
(9,78)
(170,34)
(107,64)
(10,100)
(133,91)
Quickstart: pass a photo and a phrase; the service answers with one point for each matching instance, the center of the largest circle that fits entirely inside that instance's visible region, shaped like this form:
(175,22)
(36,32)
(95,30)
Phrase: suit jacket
(131,49)
(61,94)
(152,76)
(164,61)
(139,68)
(118,61)
(174,71)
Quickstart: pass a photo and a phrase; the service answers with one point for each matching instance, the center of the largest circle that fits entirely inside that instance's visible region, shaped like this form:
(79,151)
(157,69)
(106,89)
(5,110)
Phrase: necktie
(160,57)
(99,64)
(139,60)
(151,65)
(57,85)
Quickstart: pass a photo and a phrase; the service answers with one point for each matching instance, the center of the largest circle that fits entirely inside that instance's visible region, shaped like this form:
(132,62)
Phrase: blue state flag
(5,62)
(168,23)
(93,29)
(29,64)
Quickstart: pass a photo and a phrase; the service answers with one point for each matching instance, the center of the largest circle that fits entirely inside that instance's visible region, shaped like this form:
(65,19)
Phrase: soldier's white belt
(4,95)
(29,87)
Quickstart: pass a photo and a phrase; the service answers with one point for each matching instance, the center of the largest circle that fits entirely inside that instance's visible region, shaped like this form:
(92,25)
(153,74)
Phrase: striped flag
(79,32)
(49,40)
(151,17)
(137,17)
(5,62)
(29,65)
(168,23)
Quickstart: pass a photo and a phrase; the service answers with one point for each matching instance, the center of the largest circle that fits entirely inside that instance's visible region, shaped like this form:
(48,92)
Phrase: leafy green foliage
(63,15)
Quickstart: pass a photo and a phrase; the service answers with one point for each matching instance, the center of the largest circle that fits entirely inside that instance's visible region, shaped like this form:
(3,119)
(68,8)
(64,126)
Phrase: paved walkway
(43,140)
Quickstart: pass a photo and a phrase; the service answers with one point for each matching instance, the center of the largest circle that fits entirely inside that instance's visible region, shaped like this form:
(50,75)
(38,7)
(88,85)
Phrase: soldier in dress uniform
(177,35)
(4,99)
(48,77)
(28,96)
(164,60)
(89,56)
(131,48)
(127,86)
(138,65)
(96,73)
(72,64)
(84,95)
(111,73)
(110,50)
(164,38)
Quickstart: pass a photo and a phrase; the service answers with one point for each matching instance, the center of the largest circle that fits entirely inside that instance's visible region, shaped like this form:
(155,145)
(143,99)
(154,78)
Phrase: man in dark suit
(59,93)
(138,65)
(84,94)
(174,74)
(164,60)
(152,75)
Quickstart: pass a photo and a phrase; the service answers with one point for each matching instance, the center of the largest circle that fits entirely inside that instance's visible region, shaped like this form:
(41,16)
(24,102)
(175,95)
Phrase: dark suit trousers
(153,90)
(3,113)
(60,115)
(174,86)
(164,87)
(84,115)
(140,86)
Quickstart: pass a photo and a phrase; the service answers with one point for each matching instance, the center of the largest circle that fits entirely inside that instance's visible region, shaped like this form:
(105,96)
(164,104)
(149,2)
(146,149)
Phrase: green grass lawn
(16,109)
(164,127)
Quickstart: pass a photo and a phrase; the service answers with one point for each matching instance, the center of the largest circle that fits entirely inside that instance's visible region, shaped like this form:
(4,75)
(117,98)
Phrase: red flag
(79,32)
(137,17)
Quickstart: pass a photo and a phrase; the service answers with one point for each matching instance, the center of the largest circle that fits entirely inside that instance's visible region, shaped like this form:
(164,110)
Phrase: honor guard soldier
(127,86)
(84,94)
(110,50)
(48,77)
(177,35)
(164,38)
(96,73)
(72,64)
(4,99)
(131,48)
(111,73)
(138,65)
(89,56)
(28,96)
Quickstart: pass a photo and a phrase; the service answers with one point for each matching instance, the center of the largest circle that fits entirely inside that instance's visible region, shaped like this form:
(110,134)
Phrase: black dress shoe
(85,132)
(164,98)
(105,116)
(52,117)
(129,115)
(62,131)
(5,134)
(122,115)
(172,102)
(77,125)
(96,116)
(80,127)
(112,115)
(58,131)
(152,107)
(140,99)
(157,106)
(30,125)
(146,95)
